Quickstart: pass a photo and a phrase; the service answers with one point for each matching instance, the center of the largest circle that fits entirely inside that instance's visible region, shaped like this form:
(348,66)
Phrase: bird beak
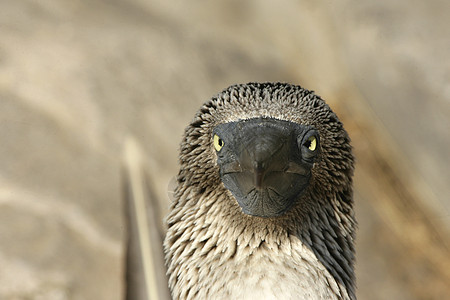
(261,164)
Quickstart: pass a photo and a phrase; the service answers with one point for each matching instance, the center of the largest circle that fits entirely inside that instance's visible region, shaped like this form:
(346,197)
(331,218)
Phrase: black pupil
(307,144)
(220,142)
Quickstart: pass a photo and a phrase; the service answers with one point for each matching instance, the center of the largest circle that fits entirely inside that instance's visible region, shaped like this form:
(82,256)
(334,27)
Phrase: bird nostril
(258,165)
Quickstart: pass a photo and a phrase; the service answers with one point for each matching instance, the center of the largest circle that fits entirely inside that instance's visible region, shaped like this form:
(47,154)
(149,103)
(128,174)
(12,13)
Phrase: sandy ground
(78,77)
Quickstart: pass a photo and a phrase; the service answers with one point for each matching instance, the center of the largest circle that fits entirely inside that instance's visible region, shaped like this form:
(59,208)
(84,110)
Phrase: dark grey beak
(265,163)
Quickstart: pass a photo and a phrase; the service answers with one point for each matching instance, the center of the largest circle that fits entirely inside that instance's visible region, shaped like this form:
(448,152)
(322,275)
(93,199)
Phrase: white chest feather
(265,280)
(264,273)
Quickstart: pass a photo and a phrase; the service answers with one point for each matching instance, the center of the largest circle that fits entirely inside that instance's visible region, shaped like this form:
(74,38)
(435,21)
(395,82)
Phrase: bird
(263,207)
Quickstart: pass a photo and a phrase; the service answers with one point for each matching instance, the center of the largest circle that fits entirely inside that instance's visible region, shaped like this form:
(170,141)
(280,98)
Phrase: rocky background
(78,77)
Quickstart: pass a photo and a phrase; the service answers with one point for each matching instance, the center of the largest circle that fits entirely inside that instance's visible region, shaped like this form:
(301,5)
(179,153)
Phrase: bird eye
(311,143)
(218,143)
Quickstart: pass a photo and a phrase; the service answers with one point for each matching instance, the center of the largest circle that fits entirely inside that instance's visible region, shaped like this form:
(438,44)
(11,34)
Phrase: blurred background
(77,77)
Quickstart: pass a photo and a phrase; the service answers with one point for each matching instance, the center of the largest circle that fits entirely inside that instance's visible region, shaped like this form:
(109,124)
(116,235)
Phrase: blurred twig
(145,270)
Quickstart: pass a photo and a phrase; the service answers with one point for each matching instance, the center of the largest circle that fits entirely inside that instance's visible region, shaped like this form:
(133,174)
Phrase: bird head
(268,148)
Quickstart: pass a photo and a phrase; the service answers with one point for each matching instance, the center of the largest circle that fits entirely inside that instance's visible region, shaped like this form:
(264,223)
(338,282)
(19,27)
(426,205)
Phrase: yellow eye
(218,143)
(312,143)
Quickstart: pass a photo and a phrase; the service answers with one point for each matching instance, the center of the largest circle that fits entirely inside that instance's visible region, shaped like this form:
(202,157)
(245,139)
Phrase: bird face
(265,162)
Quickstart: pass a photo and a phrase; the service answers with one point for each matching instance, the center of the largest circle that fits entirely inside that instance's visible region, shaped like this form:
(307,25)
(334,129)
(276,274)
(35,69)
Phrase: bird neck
(330,234)
(205,222)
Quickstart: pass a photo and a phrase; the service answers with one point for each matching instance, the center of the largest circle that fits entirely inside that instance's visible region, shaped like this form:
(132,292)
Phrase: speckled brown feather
(215,250)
